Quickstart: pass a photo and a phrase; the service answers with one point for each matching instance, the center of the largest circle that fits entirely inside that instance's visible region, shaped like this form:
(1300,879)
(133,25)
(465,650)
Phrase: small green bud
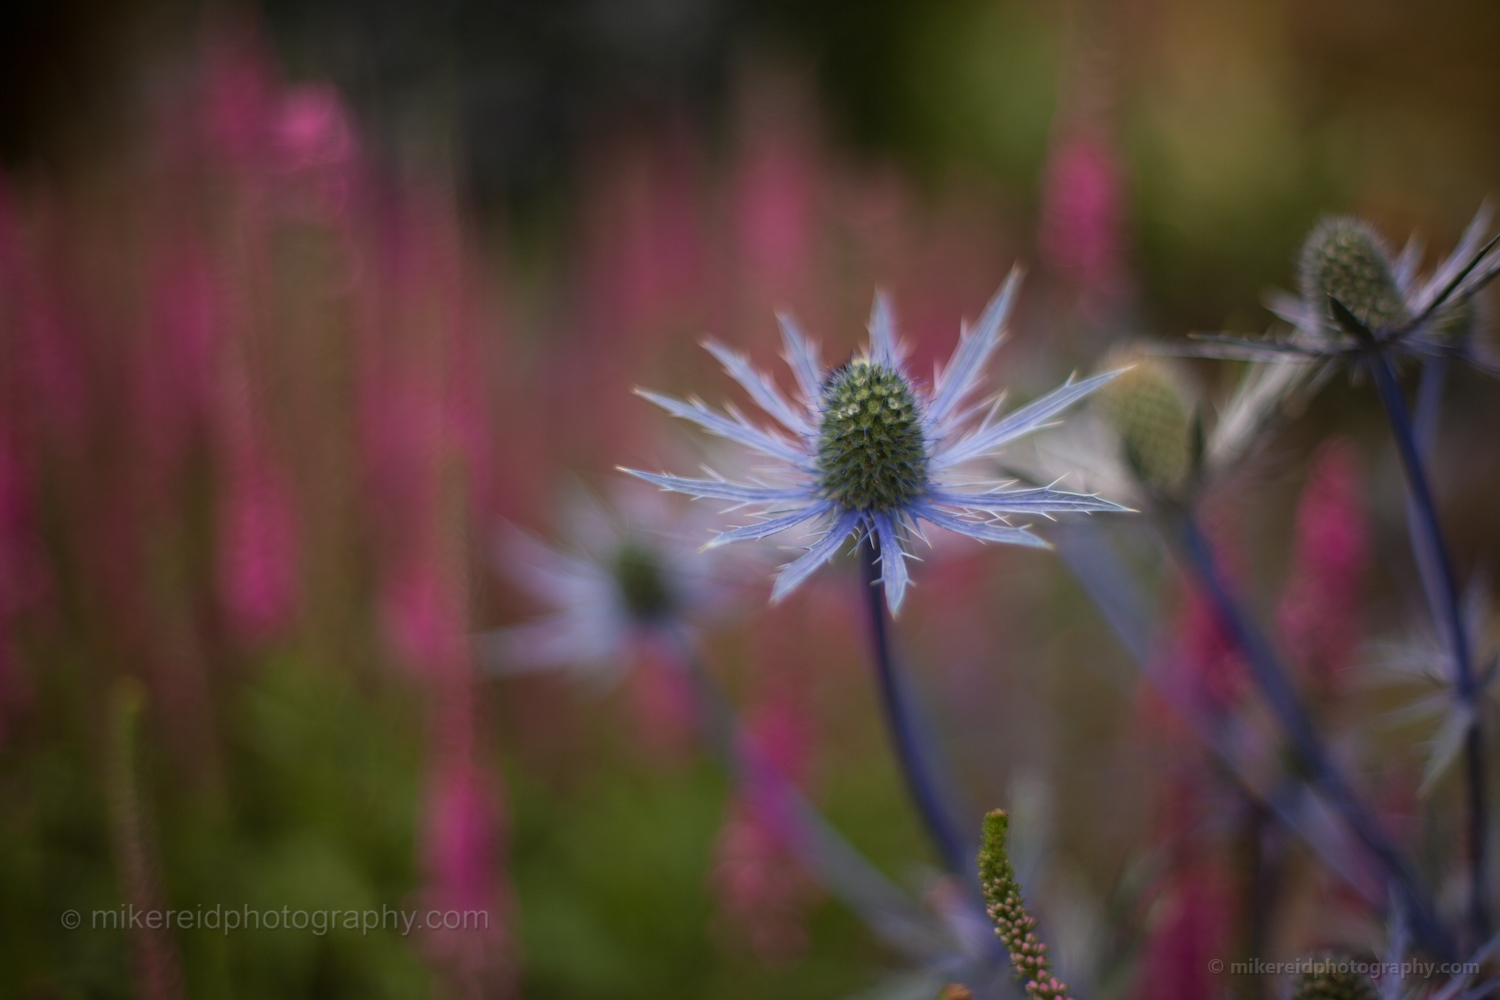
(1160,438)
(1346,259)
(643,585)
(871,451)
(1332,979)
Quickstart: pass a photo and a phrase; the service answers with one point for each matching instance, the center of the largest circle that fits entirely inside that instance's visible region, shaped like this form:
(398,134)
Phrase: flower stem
(1282,696)
(1114,593)
(158,971)
(904,726)
(1447,610)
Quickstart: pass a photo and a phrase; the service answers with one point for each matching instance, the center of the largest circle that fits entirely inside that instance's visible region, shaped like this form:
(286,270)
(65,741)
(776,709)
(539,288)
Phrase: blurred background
(302,304)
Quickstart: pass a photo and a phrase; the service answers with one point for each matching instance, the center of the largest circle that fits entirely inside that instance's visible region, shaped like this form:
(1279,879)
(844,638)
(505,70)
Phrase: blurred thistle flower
(1422,661)
(872,453)
(1137,441)
(1332,977)
(631,577)
(1358,298)
(1160,439)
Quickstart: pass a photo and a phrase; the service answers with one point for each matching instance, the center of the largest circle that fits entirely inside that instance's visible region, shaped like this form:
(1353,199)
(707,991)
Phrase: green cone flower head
(1346,259)
(871,451)
(1148,407)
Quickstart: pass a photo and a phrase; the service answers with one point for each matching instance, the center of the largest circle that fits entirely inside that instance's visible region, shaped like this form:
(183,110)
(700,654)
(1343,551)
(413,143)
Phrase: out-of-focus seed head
(1346,259)
(1331,978)
(644,588)
(1147,406)
(871,451)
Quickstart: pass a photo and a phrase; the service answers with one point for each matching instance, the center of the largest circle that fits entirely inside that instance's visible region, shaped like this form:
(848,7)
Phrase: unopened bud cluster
(1013,925)
(1346,259)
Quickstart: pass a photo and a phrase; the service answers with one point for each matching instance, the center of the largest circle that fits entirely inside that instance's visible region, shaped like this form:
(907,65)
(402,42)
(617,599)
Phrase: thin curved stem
(1447,609)
(1096,567)
(904,725)
(1282,697)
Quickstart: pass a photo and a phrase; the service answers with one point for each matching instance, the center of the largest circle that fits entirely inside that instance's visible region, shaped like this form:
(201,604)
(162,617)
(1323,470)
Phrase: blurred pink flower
(1319,612)
(311,129)
(763,893)
(1209,660)
(1082,217)
(461,854)
(775,190)
(258,573)
(238,93)
(661,701)
(1190,927)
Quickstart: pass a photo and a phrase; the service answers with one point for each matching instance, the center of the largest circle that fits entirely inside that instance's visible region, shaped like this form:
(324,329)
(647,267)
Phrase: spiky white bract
(865,451)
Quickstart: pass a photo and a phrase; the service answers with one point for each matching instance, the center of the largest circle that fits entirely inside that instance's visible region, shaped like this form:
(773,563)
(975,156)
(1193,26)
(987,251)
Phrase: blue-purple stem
(1282,697)
(956,850)
(1097,568)
(1447,609)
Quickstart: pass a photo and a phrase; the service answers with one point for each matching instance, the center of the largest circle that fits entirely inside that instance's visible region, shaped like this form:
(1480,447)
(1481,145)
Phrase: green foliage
(870,447)
(612,876)
(312,807)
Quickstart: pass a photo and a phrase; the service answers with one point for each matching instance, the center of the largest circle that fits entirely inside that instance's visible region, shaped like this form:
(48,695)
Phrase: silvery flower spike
(864,450)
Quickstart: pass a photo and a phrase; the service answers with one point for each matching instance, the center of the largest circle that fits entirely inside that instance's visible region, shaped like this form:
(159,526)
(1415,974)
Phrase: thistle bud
(1332,979)
(1346,259)
(1148,407)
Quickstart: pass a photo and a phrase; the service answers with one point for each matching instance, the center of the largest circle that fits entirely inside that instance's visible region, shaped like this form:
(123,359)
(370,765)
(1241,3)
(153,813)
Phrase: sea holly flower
(627,579)
(1357,297)
(866,451)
